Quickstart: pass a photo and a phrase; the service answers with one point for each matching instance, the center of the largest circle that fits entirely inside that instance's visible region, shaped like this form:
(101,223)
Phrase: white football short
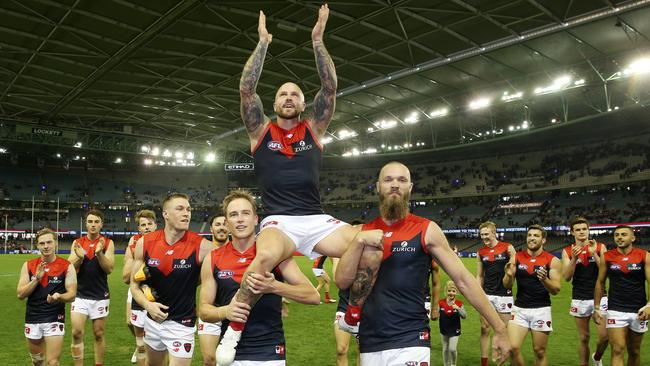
(209,328)
(40,330)
(397,357)
(502,304)
(169,336)
(538,319)
(93,309)
(619,319)
(585,308)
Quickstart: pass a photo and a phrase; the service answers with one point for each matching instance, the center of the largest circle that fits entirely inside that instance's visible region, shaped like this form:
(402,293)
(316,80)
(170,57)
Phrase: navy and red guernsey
(394,316)
(626,274)
(53,281)
(136,237)
(92,281)
(287,168)
(494,268)
(585,273)
(449,318)
(344,300)
(319,262)
(531,293)
(174,273)
(427,287)
(263,336)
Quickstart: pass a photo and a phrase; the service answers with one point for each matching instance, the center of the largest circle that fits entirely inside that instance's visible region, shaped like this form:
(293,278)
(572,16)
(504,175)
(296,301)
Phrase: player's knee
(633,351)
(617,349)
(98,334)
(540,352)
(342,350)
(583,338)
(209,360)
(77,335)
(53,363)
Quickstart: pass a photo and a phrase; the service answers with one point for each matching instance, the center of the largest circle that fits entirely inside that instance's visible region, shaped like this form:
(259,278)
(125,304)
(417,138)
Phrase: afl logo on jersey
(274,145)
(222,275)
(153,262)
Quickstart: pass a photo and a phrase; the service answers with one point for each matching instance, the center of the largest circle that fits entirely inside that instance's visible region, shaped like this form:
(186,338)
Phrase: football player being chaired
(628,309)
(262,341)
(48,282)
(93,257)
(394,327)
(135,314)
(538,274)
(288,157)
(164,278)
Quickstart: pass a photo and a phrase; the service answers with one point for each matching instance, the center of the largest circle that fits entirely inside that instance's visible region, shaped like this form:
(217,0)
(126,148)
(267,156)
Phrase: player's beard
(394,208)
(292,115)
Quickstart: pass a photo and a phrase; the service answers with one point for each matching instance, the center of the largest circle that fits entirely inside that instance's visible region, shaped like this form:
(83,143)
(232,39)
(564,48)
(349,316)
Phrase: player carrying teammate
(48,282)
(93,257)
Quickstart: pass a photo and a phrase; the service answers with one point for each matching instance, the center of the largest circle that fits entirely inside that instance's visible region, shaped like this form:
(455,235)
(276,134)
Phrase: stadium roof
(115,75)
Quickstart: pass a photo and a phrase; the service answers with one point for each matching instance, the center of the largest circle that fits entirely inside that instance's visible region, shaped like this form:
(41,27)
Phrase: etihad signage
(239,166)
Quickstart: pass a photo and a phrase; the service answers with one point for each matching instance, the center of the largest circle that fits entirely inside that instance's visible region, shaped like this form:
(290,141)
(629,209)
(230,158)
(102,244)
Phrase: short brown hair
(538,227)
(578,220)
(171,196)
(145,214)
(213,217)
(94,212)
(235,194)
(490,225)
(43,232)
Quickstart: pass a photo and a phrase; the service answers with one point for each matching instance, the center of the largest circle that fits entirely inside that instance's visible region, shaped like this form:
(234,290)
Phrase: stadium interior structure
(517,111)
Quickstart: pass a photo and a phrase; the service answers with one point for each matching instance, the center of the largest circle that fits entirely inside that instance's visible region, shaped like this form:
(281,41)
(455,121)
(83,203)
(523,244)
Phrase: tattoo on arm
(251,105)
(245,295)
(325,100)
(362,285)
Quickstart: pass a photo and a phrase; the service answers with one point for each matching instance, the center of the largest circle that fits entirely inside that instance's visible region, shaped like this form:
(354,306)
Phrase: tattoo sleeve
(362,285)
(325,100)
(252,111)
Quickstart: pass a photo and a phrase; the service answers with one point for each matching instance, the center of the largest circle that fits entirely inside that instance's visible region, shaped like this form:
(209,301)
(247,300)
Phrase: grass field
(310,339)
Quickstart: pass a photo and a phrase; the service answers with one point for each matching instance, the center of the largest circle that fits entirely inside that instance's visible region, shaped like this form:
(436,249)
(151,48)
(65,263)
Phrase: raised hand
(319,28)
(40,271)
(510,269)
(78,250)
(264,34)
(575,251)
(100,246)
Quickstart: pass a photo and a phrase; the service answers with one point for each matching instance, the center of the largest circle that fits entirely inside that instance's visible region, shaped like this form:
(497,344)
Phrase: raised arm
(106,259)
(325,101)
(252,110)
(27,285)
(468,285)
(76,254)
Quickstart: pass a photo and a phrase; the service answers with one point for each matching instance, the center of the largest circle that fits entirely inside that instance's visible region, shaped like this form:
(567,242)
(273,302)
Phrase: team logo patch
(424,336)
(201,326)
(187,346)
(548,323)
(27,330)
(269,223)
(222,275)
(611,321)
(279,349)
(61,327)
(333,221)
(411,363)
(388,234)
(615,267)
(424,363)
(274,145)
(170,252)
(574,309)
(153,262)
(176,344)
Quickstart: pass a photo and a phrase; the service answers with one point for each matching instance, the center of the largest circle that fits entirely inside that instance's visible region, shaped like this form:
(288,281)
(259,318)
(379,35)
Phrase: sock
(484,361)
(99,364)
(237,326)
(353,314)
(327,296)
(598,356)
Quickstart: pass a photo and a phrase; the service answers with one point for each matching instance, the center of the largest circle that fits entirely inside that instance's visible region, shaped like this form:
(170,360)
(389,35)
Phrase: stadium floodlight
(511,128)
(558,84)
(439,113)
(390,148)
(148,162)
(640,66)
(383,146)
(507,97)
(579,82)
(370,150)
(385,125)
(414,117)
(78,145)
(524,125)
(326,140)
(347,154)
(189,155)
(58,155)
(371,129)
(480,103)
(118,160)
(167,153)
(3,150)
(155,151)
(77,157)
(210,157)
(144,148)
(554,120)
(346,134)
(179,155)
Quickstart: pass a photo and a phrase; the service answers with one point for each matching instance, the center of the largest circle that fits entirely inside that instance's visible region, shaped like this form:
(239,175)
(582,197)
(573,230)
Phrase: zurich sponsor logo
(153,262)
(182,264)
(633,267)
(403,247)
(274,145)
(302,147)
(222,275)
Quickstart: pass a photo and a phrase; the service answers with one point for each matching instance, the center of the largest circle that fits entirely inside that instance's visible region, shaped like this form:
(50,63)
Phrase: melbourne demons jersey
(494,262)
(132,244)
(53,281)
(531,293)
(585,273)
(449,318)
(626,274)
(394,316)
(174,273)
(287,168)
(263,336)
(91,279)
(319,262)
(427,288)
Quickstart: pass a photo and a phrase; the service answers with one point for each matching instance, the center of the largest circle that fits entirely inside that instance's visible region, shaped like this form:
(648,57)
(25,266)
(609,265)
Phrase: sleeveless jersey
(287,168)
(92,281)
(136,237)
(174,273)
(585,273)
(263,336)
(427,288)
(449,318)
(344,300)
(531,293)
(394,316)
(626,274)
(53,281)
(320,262)
(494,263)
